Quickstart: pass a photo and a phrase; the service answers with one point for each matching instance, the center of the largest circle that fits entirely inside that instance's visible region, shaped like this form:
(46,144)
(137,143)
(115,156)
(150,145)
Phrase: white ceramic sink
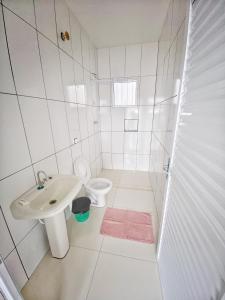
(49,203)
(56,195)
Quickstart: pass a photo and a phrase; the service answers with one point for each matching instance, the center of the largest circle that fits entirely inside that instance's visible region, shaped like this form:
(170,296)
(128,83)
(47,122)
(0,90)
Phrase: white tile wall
(59,124)
(103,63)
(149,59)
(133,60)
(138,63)
(15,269)
(6,82)
(42,115)
(23,49)
(13,141)
(117,61)
(51,69)
(68,77)
(37,127)
(170,65)
(25,9)
(76,41)
(45,18)
(7,246)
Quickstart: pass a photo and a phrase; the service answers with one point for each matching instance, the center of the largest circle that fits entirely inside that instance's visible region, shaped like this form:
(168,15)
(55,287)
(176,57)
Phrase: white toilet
(97,188)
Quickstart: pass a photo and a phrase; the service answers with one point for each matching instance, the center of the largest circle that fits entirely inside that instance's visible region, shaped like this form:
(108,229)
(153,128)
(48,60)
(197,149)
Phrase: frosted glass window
(125,93)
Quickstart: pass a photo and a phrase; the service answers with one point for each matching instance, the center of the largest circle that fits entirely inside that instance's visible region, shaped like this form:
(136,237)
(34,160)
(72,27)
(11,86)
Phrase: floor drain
(52,202)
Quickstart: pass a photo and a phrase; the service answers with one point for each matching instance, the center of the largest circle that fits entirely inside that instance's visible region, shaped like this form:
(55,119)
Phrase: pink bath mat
(128,224)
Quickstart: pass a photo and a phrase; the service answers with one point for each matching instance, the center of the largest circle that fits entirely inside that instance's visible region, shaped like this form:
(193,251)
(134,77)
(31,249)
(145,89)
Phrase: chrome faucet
(41,182)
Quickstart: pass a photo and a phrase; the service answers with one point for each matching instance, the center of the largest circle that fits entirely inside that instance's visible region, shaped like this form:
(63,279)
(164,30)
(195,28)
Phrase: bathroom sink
(57,194)
(47,202)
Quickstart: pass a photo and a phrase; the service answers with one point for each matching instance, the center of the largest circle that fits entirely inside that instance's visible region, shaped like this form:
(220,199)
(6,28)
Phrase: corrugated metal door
(192,243)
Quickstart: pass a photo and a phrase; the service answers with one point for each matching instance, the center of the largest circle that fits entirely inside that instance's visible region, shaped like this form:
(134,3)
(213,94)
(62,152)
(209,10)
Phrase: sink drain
(52,202)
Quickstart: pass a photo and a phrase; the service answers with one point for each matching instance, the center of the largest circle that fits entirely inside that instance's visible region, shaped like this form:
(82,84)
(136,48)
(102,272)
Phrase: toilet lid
(82,169)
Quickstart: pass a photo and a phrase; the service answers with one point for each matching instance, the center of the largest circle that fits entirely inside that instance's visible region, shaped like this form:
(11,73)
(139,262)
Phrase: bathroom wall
(172,44)
(48,98)
(126,90)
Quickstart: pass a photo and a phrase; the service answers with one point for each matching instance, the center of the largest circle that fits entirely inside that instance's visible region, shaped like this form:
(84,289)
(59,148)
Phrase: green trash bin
(81,209)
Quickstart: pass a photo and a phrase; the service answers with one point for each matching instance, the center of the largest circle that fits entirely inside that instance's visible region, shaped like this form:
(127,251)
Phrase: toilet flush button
(75,140)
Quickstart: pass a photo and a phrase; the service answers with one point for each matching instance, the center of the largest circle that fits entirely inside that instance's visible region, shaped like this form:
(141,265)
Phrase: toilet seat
(100,185)
(97,188)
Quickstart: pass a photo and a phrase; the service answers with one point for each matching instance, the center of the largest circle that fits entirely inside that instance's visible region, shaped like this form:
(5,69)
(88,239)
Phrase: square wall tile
(143,162)
(33,248)
(15,269)
(23,48)
(106,161)
(73,121)
(63,24)
(76,38)
(49,165)
(105,118)
(24,9)
(13,142)
(45,17)
(144,142)
(65,163)
(11,188)
(117,119)
(104,93)
(117,62)
(103,63)
(51,69)
(7,245)
(145,118)
(130,162)
(117,142)
(106,141)
(82,111)
(6,82)
(133,60)
(59,124)
(68,77)
(149,59)
(130,142)
(147,90)
(37,126)
(117,161)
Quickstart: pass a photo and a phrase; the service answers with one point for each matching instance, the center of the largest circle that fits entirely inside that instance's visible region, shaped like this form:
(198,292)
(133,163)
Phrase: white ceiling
(119,22)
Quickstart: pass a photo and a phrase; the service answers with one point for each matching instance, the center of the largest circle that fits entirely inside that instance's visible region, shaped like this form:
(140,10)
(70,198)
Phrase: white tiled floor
(101,267)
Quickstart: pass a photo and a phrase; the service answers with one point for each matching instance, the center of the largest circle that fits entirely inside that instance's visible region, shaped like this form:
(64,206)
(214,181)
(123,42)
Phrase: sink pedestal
(57,235)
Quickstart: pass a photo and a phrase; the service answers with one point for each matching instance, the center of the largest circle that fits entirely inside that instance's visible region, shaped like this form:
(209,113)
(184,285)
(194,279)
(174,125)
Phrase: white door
(191,251)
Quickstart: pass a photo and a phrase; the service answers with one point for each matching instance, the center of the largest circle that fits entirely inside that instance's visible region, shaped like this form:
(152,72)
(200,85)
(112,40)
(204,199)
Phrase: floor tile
(139,200)
(87,234)
(64,279)
(129,248)
(135,179)
(122,278)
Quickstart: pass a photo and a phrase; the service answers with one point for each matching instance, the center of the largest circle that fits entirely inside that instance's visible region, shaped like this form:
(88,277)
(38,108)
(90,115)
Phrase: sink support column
(57,235)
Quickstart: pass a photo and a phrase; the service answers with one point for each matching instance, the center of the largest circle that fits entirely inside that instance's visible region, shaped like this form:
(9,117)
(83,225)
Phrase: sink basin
(48,204)
(56,195)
